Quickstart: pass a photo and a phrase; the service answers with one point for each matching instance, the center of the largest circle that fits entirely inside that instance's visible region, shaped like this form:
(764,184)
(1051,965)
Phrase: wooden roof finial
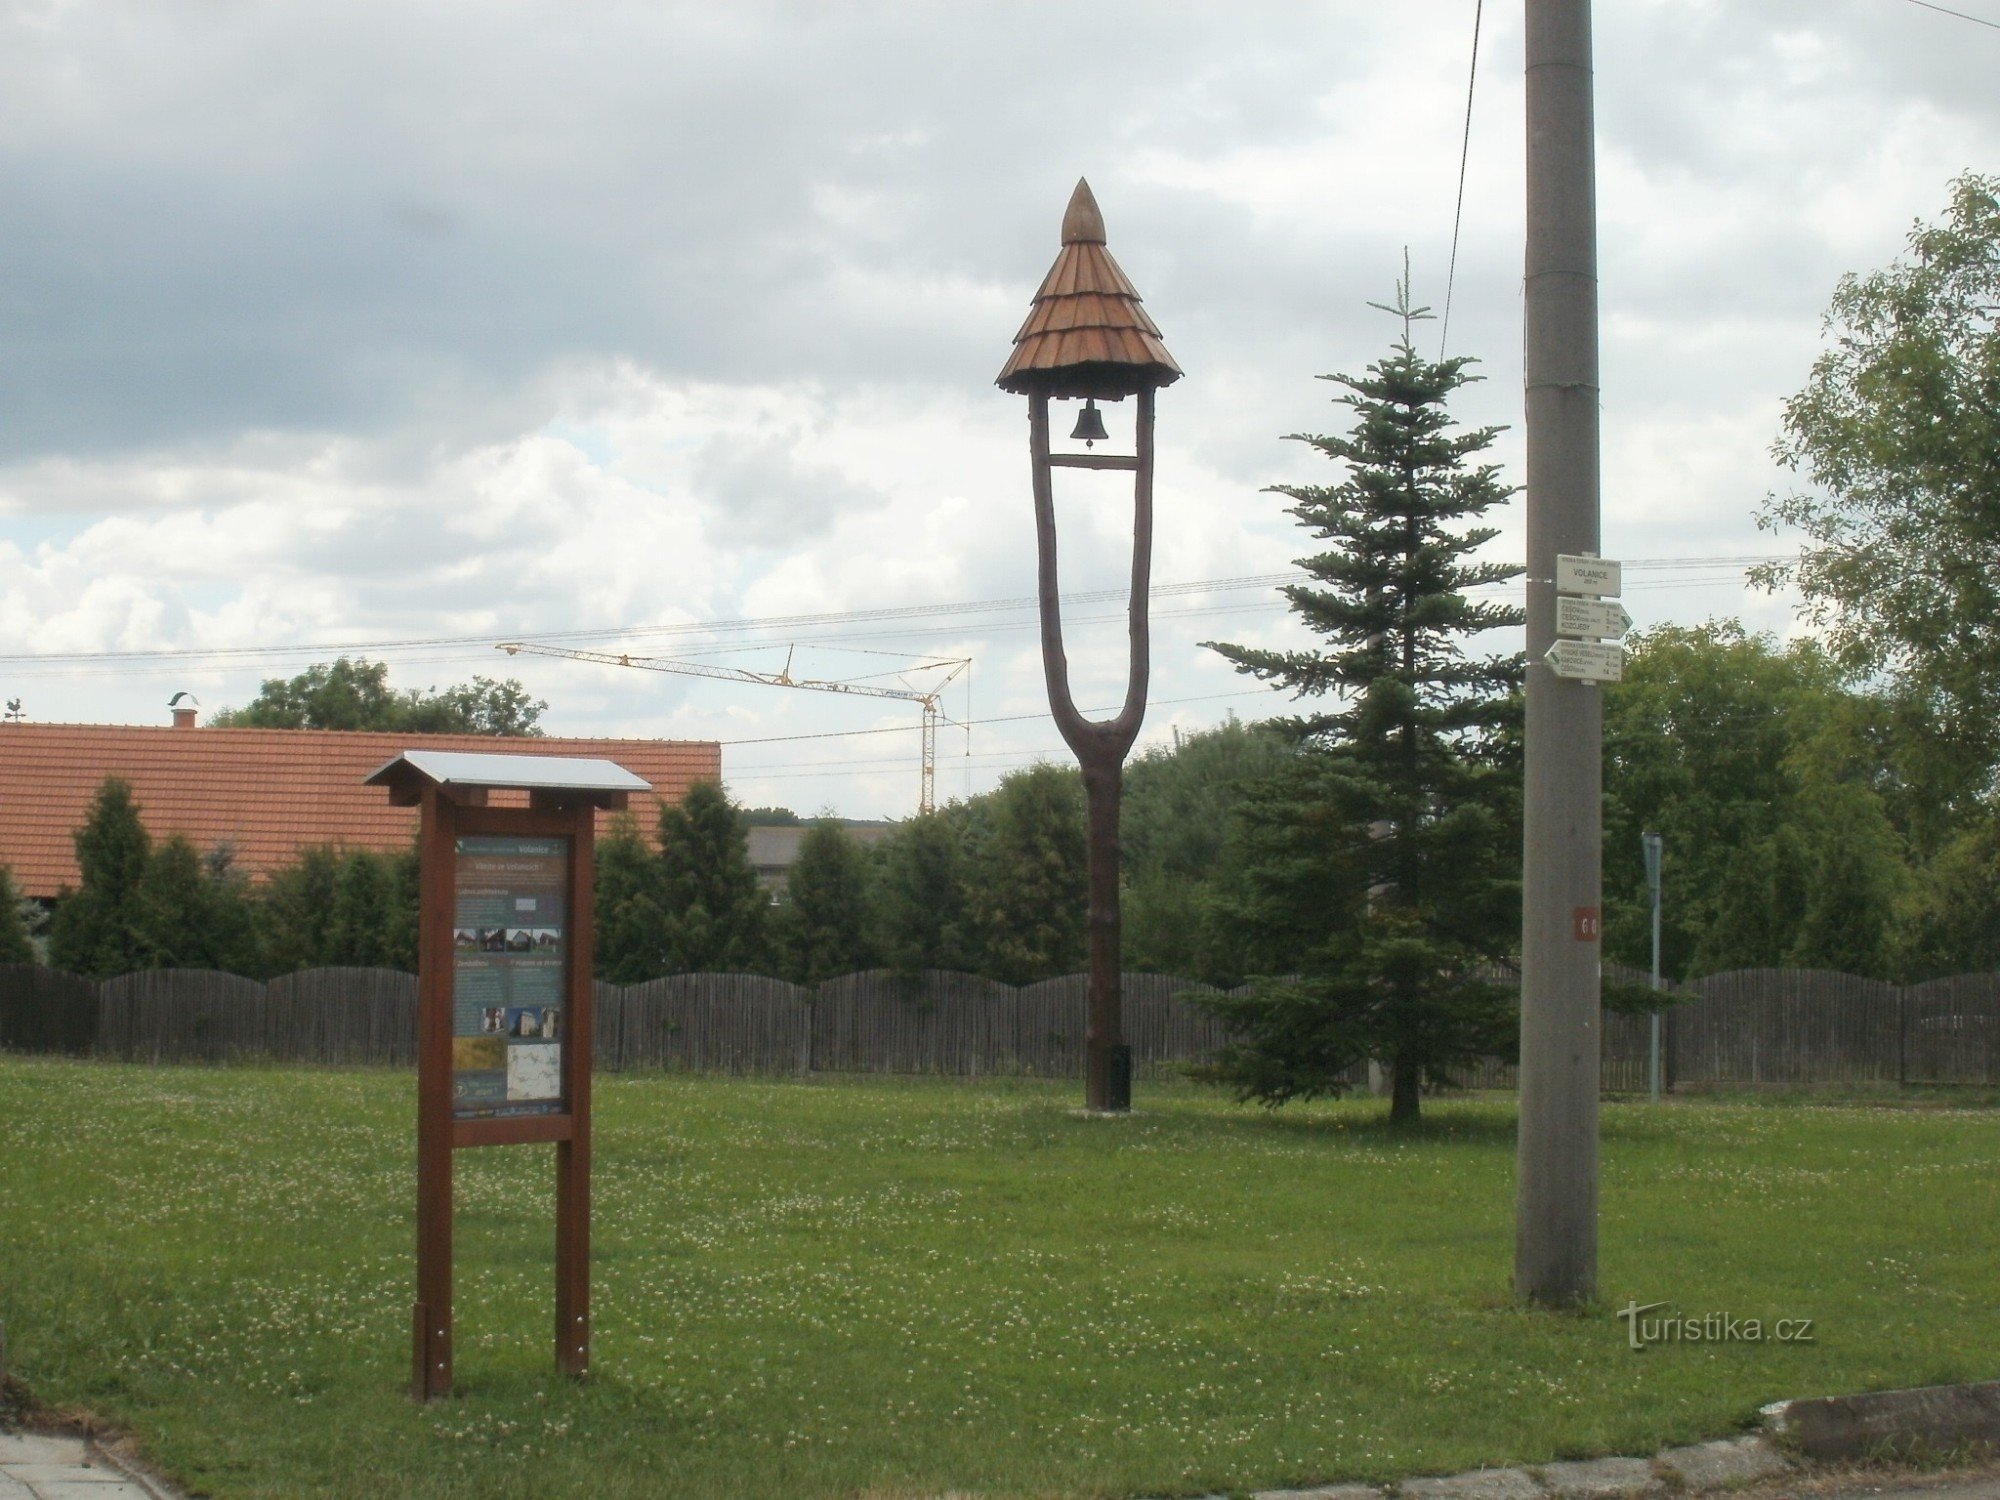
(1086,334)
(1083,223)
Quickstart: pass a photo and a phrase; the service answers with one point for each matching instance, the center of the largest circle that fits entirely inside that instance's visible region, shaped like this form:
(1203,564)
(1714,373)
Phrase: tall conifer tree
(631,925)
(923,911)
(15,946)
(99,929)
(1029,874)
(1382,870)
(825,926)
(714,907)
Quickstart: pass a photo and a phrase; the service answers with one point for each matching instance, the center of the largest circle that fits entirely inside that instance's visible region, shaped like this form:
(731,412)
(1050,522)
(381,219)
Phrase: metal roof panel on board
(535,773)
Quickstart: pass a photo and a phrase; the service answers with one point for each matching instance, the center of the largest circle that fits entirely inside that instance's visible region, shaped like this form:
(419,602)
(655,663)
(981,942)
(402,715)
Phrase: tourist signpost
(1586,573)
(1581,611)
(503,1004)
(1603,618)
(1586,661)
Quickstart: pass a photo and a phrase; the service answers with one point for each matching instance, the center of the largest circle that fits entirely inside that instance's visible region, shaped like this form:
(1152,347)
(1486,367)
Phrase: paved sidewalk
(63,1468)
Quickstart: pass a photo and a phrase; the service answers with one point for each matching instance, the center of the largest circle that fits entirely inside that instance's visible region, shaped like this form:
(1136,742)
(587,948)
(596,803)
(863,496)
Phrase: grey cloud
(763,497)
(366,216)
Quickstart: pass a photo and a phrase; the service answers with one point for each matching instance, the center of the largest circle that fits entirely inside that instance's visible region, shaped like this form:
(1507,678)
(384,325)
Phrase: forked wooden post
(505,1024)
(1087,337)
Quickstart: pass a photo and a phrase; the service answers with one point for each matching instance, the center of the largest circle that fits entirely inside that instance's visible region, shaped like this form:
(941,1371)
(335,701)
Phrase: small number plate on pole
(1598,617)
(1587,575)
(1587,661)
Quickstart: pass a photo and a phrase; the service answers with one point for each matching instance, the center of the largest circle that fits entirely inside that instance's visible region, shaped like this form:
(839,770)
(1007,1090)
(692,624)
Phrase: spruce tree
(194,910)
(923,910)
(631,923)
(405,909)
(1382,870)
(364,897)
(15,946)
(295,912)
(824,926)
(714,907)
(1030,875)
(98,929)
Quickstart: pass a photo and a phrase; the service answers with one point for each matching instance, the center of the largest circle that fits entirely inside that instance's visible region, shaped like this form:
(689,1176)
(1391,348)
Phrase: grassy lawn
(903,1287)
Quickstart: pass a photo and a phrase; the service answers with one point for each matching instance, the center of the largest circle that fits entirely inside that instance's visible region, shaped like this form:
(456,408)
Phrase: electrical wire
(252,655)
(1464,155)
(690,627)
(843,734)
(1961,15)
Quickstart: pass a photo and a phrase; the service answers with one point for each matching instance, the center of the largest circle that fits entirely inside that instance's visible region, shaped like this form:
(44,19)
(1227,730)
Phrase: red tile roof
(268,792)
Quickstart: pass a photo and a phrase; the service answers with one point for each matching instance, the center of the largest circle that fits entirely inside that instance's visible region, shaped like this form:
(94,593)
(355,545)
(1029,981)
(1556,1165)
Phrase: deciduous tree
(1952,924)
(1897,432)
(1767,777)
(1179,801)
(353,693)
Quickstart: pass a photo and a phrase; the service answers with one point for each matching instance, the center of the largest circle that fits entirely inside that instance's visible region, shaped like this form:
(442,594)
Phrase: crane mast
(927,795)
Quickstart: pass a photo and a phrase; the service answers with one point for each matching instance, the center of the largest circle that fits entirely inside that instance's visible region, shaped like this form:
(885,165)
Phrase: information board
(509,945)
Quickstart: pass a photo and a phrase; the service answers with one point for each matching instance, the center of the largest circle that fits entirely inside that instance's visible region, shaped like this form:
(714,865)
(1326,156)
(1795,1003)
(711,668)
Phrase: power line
(691,627)
(1464,155)
(477,648)
(845,734)
(250,655)
(1961,15)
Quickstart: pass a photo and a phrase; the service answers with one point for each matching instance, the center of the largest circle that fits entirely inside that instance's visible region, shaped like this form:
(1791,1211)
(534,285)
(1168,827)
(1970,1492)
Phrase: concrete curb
(1692,1470)
(1934,1419)
(1927,1421)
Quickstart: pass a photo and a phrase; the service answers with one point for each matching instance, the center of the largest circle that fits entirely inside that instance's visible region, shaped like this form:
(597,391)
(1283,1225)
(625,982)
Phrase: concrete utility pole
(1555,1247)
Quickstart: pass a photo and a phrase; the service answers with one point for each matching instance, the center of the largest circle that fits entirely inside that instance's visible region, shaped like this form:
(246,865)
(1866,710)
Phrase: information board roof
(600,782)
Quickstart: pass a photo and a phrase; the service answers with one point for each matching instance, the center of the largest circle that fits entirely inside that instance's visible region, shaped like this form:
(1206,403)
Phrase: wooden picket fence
(1748,1027)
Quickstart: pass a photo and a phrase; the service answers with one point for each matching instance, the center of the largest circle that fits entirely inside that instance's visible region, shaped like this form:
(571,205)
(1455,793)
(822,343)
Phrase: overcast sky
(389,323)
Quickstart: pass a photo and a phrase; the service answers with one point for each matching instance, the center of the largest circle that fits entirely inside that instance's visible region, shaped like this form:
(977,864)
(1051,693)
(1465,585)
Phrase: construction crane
(927,796)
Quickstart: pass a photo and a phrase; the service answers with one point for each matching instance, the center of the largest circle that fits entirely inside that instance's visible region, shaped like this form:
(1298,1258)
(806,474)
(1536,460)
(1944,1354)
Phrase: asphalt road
(1980,1485)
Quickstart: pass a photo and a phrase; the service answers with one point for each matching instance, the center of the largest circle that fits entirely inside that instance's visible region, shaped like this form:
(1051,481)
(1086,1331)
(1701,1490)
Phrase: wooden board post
(505,1024)
(431,1316)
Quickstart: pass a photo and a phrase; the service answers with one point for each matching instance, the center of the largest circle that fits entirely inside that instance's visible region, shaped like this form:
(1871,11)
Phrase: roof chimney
(184,707)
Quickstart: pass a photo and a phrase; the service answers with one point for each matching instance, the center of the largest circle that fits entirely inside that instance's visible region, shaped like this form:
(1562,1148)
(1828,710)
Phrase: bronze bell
(1090,425)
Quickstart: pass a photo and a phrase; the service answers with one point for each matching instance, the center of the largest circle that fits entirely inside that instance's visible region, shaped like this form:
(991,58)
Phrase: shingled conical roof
(1086,334)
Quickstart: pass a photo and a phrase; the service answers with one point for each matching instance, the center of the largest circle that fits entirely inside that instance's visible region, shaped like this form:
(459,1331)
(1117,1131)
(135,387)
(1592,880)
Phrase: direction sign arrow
(1600,617)
(1587,661)
(1587,575)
